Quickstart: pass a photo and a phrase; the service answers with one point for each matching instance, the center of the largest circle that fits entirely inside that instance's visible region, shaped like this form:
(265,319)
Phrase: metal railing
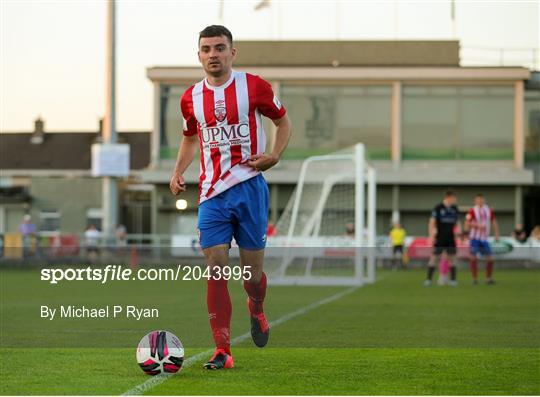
(498,56)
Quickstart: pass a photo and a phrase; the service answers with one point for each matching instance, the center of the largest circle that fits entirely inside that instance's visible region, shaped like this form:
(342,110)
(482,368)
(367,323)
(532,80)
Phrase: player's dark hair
(449,193)
(216,31)
(479,195)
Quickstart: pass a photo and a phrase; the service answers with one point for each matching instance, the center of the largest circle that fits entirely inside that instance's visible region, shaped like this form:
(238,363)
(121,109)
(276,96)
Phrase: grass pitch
(394,337)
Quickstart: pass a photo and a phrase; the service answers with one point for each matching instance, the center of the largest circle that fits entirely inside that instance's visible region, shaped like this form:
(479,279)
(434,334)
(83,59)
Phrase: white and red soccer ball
(160,352)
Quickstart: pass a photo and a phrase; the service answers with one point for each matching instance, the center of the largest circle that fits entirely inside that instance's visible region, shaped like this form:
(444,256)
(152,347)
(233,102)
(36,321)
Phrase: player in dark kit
(442,223)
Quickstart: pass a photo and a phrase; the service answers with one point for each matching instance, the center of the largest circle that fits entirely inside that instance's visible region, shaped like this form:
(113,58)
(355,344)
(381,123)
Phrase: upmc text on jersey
(221,133)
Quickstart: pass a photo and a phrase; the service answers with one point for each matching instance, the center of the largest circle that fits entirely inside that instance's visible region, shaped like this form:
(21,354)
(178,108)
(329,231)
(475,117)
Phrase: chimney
(99,136)
(39,132)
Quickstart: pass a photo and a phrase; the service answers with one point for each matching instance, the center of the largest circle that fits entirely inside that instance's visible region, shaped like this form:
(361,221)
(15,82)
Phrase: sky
(53,52)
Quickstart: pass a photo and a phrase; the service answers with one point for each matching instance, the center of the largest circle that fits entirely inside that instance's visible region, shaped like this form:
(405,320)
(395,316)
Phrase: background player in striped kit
(479,221)
(222,117)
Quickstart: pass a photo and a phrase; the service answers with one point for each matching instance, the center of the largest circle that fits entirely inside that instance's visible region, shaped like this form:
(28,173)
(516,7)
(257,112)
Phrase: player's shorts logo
(220,111)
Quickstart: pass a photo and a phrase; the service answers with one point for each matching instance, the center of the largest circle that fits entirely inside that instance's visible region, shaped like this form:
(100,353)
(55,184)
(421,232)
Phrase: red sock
(256,293)
(489,269)
(474,268)
(219,312)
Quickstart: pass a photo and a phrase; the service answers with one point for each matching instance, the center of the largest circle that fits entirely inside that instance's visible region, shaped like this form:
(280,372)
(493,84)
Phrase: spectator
(535,234)
(397,238)
(91,237)
(121,236)
(28,231)
(519,234)
(349,229)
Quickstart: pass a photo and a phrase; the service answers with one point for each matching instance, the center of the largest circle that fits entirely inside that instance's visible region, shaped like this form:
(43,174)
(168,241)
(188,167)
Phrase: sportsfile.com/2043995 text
(120,273)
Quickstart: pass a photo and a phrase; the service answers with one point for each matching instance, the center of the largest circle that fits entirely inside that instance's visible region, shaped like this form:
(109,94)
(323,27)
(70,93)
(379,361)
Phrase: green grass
(357,371)
(394,337)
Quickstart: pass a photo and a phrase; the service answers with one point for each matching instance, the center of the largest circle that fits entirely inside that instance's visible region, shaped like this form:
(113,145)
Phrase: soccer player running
(442,222)
(478,222)
(222,117)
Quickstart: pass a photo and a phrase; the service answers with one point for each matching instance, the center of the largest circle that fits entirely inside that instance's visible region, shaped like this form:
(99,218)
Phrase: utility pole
(453,18)
(110,183)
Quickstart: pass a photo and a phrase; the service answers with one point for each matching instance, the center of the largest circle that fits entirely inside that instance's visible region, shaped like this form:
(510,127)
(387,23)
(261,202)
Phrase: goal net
(326,235)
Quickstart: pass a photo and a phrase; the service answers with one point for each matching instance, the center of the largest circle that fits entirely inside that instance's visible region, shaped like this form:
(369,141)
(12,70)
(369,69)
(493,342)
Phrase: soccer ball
(160,352)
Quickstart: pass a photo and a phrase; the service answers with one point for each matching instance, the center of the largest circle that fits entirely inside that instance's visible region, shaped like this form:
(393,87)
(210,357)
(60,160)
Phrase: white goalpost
(324,238)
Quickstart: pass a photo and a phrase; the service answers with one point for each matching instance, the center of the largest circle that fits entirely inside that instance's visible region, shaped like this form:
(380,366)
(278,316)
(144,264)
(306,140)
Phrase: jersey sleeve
(267,102)
(435,212)
(491,214)
(470,215)
(189,127)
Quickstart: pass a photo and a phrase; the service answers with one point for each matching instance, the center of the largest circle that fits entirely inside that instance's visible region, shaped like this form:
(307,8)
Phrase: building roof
(183,74)
(376,61)
(65,150)
(348,53)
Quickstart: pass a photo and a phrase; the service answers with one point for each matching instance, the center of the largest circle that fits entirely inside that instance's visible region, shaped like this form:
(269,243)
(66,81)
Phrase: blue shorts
(480,247)
(240,212)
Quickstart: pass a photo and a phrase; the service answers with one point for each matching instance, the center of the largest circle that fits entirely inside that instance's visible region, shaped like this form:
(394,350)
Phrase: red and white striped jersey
(480,218)
(227,120)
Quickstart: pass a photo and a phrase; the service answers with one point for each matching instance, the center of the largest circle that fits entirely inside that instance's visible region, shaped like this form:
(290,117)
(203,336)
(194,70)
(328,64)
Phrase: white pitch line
(158,379)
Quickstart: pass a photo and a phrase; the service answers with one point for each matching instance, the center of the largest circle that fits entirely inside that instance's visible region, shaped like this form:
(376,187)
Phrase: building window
(49,221)
(94,216)
(170,120)
(531,121)
(457,122)
(329,118)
